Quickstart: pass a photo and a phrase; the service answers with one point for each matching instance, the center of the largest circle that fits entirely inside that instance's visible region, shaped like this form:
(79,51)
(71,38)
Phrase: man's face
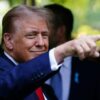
(30,40)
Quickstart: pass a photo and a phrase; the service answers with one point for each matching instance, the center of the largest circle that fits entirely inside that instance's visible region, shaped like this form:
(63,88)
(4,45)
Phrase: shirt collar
(16,63)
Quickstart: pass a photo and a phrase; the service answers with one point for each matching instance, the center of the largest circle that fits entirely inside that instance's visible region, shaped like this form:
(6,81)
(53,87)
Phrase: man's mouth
(37,52)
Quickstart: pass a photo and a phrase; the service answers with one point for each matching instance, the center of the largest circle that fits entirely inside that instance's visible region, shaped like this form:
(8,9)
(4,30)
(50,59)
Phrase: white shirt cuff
(53,62)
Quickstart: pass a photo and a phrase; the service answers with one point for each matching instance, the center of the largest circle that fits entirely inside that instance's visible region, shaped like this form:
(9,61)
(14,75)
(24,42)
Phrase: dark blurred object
(1,50)
(47,89)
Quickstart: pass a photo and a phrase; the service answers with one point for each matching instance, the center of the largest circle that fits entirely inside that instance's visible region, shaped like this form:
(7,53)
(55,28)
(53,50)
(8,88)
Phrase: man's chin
(36,55)
(33,55)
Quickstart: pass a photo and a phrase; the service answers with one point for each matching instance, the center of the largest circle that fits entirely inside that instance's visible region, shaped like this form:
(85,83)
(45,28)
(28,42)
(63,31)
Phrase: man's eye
(31,35)
(45,35)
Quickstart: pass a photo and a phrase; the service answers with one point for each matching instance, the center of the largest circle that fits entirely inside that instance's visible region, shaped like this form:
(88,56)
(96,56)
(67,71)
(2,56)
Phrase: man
(25,36)
(78,78)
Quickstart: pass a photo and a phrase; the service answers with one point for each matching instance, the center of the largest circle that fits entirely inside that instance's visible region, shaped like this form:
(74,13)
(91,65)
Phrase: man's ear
(8,40)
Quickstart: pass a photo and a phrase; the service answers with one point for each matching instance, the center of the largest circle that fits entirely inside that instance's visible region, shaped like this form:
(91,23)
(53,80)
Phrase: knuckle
(88,50)
(81,52)
(94,45)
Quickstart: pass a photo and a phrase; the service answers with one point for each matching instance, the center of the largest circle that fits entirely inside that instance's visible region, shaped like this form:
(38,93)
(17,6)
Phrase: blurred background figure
(76,80)
(62,23)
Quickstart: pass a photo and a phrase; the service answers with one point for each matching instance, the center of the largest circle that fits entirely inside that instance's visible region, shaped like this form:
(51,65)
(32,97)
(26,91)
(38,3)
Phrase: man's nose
(40,40)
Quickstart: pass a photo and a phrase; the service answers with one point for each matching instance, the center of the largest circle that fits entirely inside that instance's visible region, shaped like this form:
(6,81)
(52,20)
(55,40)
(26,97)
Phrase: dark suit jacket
(19,82)
(85,80)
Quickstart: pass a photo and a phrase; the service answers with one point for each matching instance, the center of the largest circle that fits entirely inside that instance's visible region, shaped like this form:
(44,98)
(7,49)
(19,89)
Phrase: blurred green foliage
(15,2)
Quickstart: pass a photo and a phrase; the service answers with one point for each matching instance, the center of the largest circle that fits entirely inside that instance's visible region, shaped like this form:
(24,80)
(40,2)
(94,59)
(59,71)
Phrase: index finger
(95,37)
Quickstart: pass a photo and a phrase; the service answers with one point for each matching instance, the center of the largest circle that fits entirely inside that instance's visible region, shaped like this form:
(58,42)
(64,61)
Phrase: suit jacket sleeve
(24,78)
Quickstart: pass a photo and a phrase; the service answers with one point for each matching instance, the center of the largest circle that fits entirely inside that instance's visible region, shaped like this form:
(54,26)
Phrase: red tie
(39,93)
